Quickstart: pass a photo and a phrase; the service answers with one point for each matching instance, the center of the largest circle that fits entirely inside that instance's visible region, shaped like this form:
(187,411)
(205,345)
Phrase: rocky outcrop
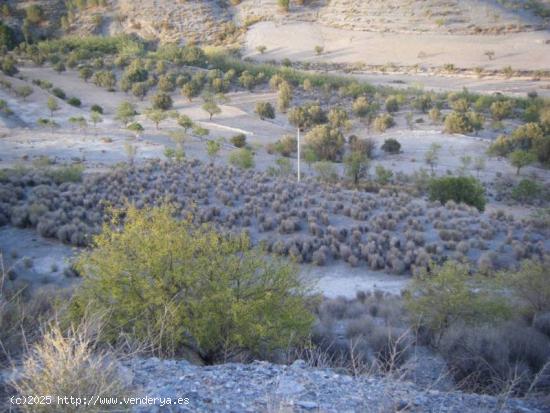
(265,387)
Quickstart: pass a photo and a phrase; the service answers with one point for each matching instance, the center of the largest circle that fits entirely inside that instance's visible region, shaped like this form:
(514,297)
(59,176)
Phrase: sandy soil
(49,258)
(521,51)
(526,51)
(342,280)
(70,143)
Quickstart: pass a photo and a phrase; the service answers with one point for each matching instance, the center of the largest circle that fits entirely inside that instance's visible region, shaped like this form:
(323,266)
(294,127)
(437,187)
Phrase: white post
(299,155)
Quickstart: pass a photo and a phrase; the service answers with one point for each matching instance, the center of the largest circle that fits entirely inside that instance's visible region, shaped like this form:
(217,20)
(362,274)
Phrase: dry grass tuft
(69,365)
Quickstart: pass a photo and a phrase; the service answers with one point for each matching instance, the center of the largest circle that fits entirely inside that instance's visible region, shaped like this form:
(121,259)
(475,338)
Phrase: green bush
(105,79)
(527,190)
(307,116)
(360,106)
(326,142)
(286,146)
(392,104)
(457,122)
(423,103)
(265,110)
(525,136)
(391,145)
(284,4)
(530,285)
(74,101)
(501,109)
(60,93)
(165,282)
(242,158)
(59,67)
(34,14)
(96,108)
(239,140)
(383,122)
(326,171)
(445,295)
(383,175)
(162,101)
(464,189)
(7,37)
(8,66)
(70,173)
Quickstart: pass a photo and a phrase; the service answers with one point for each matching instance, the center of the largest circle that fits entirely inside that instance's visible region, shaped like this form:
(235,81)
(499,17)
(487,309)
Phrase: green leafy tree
(520,158)
(136,128)
(140,90)
(530,285)
(24,91)
(185,122)
(211,108)
(326,142)
(284,97)
(125,113)
(431,157)
(464,189)
(156,116)
(356,166)
(190,90)
(95,118)
(213,149)
(53,106)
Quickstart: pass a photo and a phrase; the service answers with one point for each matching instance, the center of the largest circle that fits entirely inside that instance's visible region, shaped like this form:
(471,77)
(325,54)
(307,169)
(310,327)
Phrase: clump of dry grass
(21,314)
(69,365)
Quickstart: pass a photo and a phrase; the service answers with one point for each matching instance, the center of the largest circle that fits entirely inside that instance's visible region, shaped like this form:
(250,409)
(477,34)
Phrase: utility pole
(299,155)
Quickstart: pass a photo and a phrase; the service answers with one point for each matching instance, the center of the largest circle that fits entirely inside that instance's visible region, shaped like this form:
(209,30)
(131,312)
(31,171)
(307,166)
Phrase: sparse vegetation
(169,219)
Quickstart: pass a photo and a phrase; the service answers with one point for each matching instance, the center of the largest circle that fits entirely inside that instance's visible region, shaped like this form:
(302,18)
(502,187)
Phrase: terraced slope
(173,21)
(405,16)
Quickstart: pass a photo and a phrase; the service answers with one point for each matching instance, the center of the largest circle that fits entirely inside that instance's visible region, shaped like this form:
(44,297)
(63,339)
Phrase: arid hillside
(207,20)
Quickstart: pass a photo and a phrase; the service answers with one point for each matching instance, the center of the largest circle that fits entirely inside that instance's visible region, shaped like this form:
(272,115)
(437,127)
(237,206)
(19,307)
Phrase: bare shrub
(494,358)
